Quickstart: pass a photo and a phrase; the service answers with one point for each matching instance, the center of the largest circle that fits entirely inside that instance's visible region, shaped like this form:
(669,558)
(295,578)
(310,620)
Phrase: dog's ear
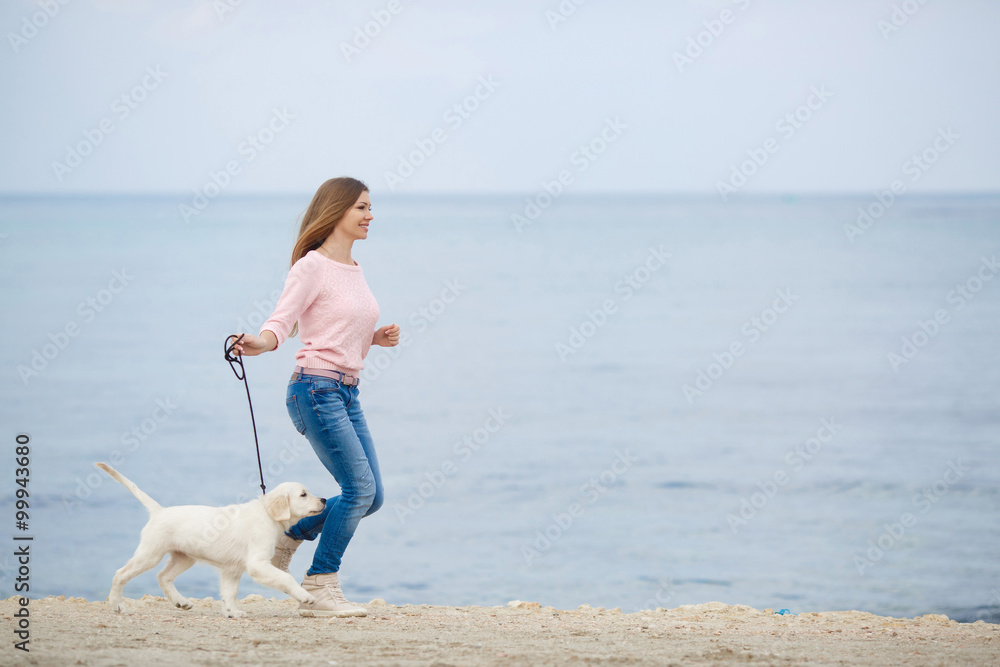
(277,506)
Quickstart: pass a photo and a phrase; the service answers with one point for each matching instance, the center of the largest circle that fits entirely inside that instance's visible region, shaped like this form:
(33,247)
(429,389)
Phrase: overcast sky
(178,88)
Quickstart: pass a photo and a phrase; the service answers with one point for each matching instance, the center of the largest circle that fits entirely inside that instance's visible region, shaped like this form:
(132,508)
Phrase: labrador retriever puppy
(235,539)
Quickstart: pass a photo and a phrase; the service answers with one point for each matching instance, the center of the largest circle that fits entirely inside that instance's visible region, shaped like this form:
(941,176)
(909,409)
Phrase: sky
(424,96)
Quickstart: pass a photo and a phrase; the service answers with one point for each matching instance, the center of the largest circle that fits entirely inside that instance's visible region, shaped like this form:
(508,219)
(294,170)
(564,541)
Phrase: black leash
(241,374)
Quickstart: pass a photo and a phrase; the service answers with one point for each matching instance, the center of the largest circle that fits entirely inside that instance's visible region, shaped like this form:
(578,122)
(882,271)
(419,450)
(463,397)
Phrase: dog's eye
(303,494)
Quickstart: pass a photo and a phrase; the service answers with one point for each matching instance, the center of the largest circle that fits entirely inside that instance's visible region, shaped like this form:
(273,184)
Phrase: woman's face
(354,224)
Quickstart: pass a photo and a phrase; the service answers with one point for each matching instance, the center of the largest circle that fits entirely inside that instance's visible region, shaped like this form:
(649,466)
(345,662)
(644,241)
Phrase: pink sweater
(336,312)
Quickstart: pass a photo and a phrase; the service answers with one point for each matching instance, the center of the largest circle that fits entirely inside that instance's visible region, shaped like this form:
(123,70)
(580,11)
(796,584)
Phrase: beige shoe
(283,552)
(330,601)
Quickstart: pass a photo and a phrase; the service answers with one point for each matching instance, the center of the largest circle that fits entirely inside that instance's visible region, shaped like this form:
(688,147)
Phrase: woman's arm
(387,336)
(303,286)
(252,345)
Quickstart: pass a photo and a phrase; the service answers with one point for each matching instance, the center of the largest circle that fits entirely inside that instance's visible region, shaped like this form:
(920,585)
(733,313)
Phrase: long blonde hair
(331,202)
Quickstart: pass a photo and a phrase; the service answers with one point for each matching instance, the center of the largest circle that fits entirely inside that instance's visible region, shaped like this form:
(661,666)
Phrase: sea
(623,400)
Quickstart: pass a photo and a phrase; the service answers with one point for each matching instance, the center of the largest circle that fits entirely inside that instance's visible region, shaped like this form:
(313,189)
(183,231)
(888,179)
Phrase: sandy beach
(75,631)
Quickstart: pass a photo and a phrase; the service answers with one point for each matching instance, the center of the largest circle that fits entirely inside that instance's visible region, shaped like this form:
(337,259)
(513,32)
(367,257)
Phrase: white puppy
(235,539)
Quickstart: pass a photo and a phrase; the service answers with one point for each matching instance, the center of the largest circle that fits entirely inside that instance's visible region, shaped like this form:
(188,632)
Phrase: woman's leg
(330,417)
(368,443)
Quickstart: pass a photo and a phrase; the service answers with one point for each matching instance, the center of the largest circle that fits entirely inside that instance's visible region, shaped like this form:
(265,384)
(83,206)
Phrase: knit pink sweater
(336,312)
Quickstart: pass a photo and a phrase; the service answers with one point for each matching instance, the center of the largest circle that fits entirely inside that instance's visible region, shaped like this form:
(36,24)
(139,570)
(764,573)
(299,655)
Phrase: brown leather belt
(349,380)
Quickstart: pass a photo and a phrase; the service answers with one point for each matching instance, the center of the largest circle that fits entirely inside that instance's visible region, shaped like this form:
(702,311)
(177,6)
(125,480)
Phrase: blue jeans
(329,415)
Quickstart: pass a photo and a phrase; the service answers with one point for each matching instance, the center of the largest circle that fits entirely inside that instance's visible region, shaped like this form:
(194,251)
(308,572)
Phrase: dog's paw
(236,613)
(183,603)
(117,607)
(303,596)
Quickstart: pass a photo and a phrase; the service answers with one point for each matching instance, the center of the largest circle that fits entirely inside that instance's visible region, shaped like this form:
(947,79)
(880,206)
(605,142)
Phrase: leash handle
(237,360)
(236,363)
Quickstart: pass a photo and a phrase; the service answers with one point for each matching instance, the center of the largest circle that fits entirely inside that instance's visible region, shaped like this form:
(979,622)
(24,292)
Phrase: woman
(326,295)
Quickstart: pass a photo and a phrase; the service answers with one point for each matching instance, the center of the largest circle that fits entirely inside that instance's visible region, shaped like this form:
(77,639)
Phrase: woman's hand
(251,345)
(387,336)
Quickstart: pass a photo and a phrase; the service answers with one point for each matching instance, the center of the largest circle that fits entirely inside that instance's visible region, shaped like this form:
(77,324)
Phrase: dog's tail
(149,503)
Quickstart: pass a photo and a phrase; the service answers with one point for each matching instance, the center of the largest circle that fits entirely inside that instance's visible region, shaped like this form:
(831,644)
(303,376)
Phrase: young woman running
(327,298)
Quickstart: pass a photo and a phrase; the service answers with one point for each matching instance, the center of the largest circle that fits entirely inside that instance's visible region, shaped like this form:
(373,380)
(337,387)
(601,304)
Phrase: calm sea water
(631,402)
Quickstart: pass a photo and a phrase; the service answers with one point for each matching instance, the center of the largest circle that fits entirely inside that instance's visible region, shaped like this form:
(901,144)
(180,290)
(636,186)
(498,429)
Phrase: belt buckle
(345,379)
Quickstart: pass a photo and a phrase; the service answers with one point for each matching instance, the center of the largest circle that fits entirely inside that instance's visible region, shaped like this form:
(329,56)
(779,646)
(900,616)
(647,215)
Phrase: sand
(75,631)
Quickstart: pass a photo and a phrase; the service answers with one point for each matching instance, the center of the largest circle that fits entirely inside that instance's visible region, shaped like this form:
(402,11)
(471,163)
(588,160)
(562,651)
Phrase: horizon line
(23,194)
